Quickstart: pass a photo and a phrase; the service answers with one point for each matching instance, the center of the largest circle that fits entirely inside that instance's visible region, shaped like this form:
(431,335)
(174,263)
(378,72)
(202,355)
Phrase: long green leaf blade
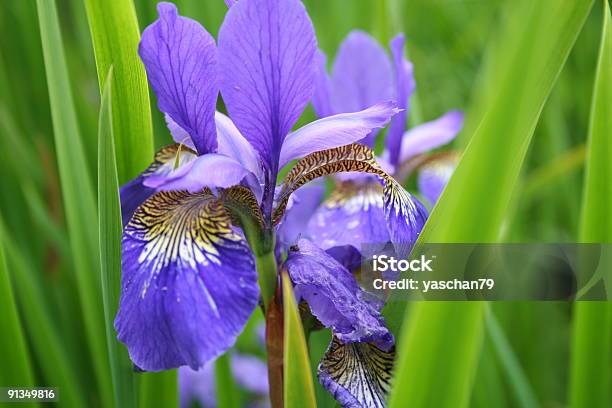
(110,251)
(592,334)
(77,192)
(15,369)
(226,389)
(48,348)
(536,42)
(298,386)
(115,35)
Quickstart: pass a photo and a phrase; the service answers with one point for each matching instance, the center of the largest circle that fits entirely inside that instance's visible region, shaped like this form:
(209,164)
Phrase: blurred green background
(525,355)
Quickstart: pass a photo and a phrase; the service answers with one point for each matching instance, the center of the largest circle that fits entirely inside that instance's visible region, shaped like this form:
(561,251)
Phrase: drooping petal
(234,145)
(321,100)
(266,56)
(430,135)
(334,297)
(405,216)
(136,192)
(335,131)
(362,75)
(352,215)
(358,375)
(189,283)
(434,175)
(210,170)
(180,58)
(404,85)
(230,3)
(305,201)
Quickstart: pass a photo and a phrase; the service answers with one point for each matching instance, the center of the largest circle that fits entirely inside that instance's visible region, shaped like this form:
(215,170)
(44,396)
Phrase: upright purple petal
(210,170)
(362,75)
(180,58)
(335,131)
(234,145)
(404,84)
(189,283)
(267,66)
(321,100)
(304,203)
(430,135)
(352,215)
(179,134)
(434,176)
(230,3)
(334,297)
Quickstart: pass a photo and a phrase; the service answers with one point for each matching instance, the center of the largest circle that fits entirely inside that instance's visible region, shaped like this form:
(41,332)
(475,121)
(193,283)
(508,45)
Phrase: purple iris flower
(363,74)
(189,279)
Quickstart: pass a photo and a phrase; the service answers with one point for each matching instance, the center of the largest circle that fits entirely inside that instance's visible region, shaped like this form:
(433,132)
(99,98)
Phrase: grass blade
(77,192)
(298,386)
(514,372)
(226,389)
(536,42)
(110,251)
(592,334)
(50,353)
(441,338)
(159,389)
(15,369)
(115,36)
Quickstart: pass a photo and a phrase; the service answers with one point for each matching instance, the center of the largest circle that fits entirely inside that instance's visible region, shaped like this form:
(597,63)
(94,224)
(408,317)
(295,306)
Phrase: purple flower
(355,213)
(356,369)
(189,282)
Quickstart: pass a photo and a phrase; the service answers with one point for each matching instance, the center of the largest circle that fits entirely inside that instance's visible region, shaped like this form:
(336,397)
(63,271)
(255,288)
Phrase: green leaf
(438,356)
(77,192)
(110,251)
(115,36)
(298,386)
(15,369)
(445,337)
(592,335)
(226,389)
(49,350)
(516,376)
(159,389)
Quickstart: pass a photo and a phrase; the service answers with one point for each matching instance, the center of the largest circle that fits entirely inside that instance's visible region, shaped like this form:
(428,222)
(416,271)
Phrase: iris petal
(430,135)
(352,215)
(321,100)
(334,296)
(362,75)
(266,56)
(404,85)
(136,191)
(189,283)
(180,58)
(337,130)
(358,375)
(434,176)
